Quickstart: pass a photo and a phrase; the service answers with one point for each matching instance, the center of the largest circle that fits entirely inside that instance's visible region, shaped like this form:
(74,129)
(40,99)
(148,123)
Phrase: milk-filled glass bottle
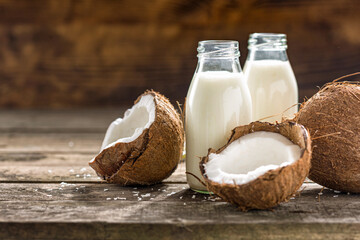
(270,78)
(217,101)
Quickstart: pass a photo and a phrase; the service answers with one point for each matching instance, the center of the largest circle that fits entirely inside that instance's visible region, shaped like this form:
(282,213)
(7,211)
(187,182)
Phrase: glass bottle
(217,101)
(270,78)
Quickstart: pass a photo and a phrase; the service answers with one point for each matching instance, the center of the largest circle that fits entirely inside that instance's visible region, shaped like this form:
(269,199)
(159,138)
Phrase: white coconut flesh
(250,156)
(135,120)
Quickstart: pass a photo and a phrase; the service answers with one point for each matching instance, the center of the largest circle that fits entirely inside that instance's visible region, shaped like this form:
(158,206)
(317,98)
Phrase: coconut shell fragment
(151,157)
(333,118)
(273,187)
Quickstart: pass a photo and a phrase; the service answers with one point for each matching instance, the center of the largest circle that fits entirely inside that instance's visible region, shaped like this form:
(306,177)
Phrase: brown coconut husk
(333,118)
(273,187)
(152,157)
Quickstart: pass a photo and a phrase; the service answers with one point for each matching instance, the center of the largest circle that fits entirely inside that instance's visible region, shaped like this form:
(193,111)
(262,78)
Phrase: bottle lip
(267,41)
(274,35)
(218,42)
(218,49)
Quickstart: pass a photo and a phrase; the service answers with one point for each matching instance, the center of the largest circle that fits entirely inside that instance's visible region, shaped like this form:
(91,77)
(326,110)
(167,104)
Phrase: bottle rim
(218,49)
(267,41)
(275,35)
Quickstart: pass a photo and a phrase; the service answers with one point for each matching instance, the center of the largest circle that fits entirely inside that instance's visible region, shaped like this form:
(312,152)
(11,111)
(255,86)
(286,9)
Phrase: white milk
(217,102)
(273,89)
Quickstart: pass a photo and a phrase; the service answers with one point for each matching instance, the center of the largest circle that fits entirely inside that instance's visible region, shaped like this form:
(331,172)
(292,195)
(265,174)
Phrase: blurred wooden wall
(87,53)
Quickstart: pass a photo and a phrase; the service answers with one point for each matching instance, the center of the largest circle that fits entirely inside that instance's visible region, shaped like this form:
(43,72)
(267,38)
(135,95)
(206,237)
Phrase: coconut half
(145,146)
(261,165)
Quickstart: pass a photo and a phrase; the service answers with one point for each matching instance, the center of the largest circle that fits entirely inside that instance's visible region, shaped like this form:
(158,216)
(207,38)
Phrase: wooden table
(48,191)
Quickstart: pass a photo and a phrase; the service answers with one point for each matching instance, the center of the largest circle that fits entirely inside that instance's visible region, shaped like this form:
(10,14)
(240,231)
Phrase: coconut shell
(273,187)
(333,118)
(150,158)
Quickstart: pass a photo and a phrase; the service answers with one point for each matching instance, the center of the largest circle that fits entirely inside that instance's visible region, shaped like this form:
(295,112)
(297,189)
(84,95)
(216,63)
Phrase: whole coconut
(333,118)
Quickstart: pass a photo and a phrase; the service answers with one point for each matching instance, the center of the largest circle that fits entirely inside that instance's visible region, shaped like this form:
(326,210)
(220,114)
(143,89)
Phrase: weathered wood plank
(57,167)
(65,160)
(180,231)
(138,204)
(54,146)
(45,167)
(47,174)
(170,209)
(89,53)
(54,131)
(51,142)
(58,121)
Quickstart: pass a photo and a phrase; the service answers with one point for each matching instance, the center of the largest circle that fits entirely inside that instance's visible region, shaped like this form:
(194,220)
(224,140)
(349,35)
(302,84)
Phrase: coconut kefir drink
(270,78)
(217,101)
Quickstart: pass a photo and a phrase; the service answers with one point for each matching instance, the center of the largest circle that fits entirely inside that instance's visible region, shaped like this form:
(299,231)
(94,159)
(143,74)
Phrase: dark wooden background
(87,53)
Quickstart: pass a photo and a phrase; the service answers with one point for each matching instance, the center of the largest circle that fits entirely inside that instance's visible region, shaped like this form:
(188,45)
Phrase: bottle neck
(267,46)
(265,54)
(218,64)
(218,55)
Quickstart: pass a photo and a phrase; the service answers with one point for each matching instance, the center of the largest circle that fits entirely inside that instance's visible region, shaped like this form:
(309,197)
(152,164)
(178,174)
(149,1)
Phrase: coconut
(333,118)
(261,165)
(145,146)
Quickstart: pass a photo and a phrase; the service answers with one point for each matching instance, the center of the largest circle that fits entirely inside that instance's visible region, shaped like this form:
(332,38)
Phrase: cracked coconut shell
(333,118)
(273,187)
(152,156)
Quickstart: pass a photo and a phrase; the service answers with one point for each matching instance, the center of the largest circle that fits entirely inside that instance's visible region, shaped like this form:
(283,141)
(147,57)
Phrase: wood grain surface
(71,54)
(47,191)
(56,121)
(53,146)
